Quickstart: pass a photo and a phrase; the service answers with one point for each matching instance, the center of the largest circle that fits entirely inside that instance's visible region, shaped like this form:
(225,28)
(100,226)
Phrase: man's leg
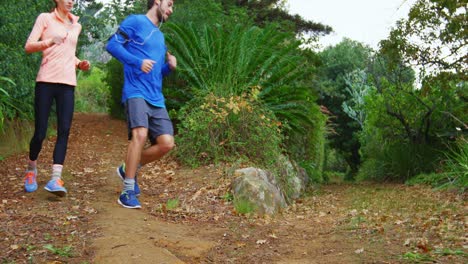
(164,144)
(128,197)
(134,151)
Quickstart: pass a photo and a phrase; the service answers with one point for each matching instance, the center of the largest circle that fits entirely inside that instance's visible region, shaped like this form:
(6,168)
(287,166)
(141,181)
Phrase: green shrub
(456,166)
(432,179)
(244,206)
(16,22)
(172,204)
(397,161)
(15,136)
(226,62)
(92,93)
(115,79)
(7,109)
(455,170)
(215,129)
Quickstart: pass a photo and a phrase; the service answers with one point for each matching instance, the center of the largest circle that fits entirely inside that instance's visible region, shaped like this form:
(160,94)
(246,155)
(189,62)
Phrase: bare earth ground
(337,223)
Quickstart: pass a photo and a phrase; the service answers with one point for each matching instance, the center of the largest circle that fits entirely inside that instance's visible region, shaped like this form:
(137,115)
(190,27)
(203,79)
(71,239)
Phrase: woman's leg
(65,101)
(42,103)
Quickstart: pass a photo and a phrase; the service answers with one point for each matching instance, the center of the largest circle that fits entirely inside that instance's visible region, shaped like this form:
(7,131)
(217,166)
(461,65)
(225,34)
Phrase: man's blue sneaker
(121,174)
(56,187)
(30,184)
(128,199)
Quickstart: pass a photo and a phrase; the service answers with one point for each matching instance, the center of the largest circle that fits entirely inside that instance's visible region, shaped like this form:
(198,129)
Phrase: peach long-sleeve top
(59,62)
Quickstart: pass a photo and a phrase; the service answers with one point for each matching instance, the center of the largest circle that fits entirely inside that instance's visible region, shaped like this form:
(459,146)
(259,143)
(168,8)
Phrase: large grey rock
(259,188)
(296,177)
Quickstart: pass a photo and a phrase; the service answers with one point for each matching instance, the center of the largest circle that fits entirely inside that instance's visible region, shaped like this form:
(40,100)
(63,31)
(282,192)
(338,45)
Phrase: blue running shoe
(56,187)
(121,174)
(128,199)
(30,184)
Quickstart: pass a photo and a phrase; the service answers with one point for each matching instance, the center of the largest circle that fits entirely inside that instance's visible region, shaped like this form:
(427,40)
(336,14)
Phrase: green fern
(230,62)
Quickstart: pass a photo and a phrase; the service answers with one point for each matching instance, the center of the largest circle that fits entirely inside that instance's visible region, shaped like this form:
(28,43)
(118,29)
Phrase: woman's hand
(55,41)
(84,65)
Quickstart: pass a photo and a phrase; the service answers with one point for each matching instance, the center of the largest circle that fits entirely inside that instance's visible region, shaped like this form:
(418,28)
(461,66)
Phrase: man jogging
(139,45)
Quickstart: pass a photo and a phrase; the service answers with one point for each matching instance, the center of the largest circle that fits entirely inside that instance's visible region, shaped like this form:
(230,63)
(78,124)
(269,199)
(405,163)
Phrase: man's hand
(171,60)
(147,65)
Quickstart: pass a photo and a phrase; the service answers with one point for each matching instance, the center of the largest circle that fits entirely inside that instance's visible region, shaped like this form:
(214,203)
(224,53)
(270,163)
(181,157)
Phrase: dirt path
(335,224)
(134,236)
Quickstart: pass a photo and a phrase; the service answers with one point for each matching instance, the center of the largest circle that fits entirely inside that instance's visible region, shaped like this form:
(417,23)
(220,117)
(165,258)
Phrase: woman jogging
(55,34)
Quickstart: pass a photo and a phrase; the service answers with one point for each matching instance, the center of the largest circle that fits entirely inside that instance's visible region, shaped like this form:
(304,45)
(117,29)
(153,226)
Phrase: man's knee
(165,143)
(139,135)
(166,147)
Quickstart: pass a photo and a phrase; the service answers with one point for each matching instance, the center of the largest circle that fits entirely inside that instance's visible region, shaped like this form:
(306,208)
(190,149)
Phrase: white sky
(367,21)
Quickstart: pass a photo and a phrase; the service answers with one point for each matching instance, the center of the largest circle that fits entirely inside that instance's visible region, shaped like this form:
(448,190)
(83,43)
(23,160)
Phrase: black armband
(121,33)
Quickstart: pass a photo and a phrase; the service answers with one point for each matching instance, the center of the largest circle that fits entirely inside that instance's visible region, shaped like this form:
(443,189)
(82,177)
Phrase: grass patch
(228,197)
(172,204)
(66,251)
(244,206)
(15,137)
(417,257)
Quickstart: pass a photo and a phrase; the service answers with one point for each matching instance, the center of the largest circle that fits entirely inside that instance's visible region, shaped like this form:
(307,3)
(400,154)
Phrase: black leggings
(64,96)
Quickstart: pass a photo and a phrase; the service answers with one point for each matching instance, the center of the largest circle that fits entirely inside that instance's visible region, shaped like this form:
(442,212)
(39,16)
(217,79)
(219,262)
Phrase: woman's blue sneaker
(121,174)
(30,184)
(128,199)
(56,187)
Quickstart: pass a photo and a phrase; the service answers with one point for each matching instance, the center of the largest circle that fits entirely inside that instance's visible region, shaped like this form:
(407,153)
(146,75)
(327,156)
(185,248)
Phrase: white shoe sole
(126,206)
(58,193)
(118,174)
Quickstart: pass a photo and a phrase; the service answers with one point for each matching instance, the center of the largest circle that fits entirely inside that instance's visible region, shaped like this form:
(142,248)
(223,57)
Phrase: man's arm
(170,65)
(115,46)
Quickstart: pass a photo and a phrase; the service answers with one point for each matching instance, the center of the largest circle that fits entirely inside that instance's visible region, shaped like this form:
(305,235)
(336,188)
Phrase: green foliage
(114,78)
(456,166)
(92,19)
(338,64)
(216,129)
(357,86)
(243,206)
(172,204)
(417,257)
(6,102)
(406,128)
(16,22)
(455,170)
(228,197)
(265,12)
(15,136)
(448,252)
(263,58)
(92,93)
(334,161)
(396,160)
(66,251)
(433,37)
(256,57)
(209,12)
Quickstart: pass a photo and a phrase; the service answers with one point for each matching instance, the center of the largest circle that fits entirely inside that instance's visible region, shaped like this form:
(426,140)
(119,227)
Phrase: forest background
(252,83)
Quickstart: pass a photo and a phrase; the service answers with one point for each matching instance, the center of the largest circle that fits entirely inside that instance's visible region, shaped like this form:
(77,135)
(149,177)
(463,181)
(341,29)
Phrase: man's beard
(160,15)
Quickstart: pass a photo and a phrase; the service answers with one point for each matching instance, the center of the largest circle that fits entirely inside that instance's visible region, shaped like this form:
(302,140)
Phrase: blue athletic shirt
(138,39)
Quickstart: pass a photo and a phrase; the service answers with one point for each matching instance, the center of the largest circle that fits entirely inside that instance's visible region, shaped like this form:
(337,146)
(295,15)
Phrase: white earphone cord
(147,37)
